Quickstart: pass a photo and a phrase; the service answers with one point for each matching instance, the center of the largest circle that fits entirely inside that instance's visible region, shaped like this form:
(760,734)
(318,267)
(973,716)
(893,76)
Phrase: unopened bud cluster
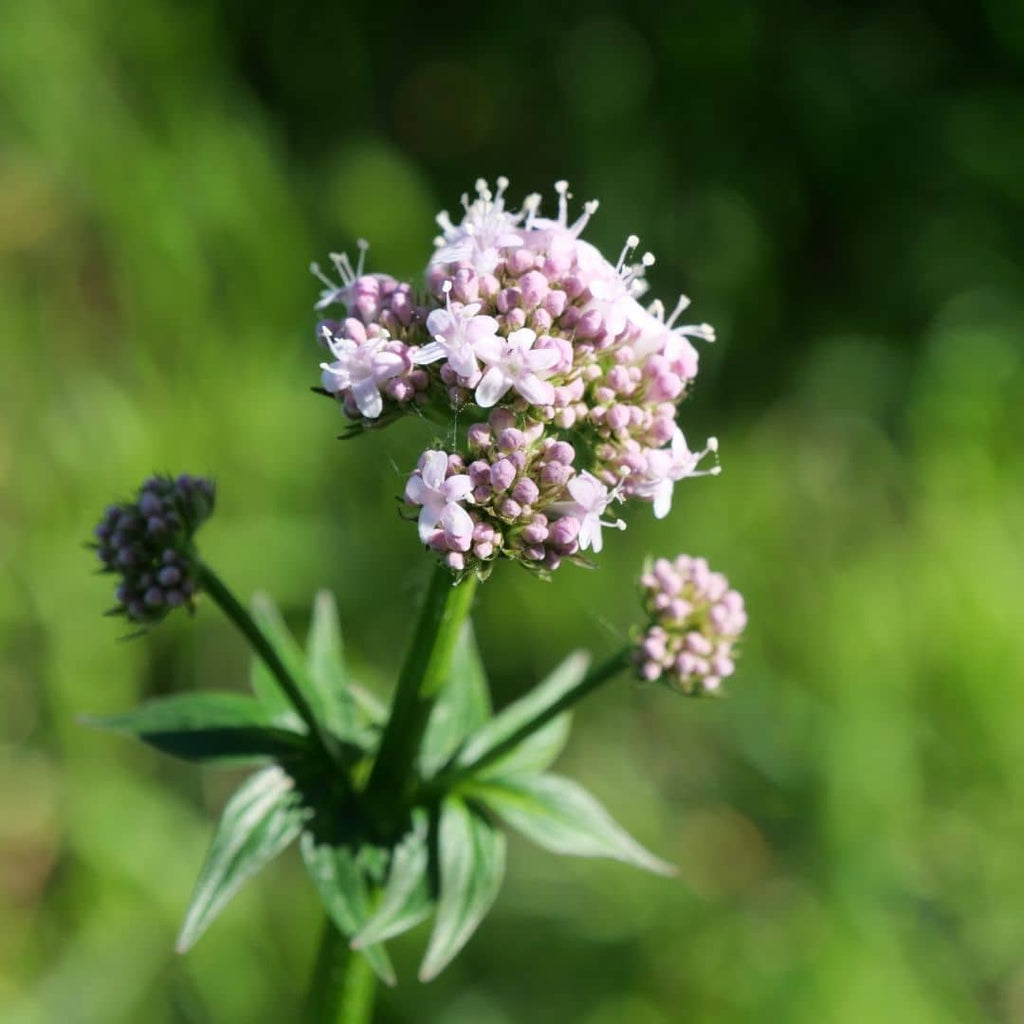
(530,336)
(696,620)
(148,543)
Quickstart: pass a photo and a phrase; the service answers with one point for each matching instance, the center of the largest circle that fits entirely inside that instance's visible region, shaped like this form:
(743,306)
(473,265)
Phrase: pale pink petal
(462,361)
(387,365)
(542,358)
(535,390)
(368,398)
(492,386)
(435,465)
(429,354)
(490,350)
(663,499)
(440,321)
(415,489)
(481,327)
(428,520)
(458,526)
(523,338)
(455,488)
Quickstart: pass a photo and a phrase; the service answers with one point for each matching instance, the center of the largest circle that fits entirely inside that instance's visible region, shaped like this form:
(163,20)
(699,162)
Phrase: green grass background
(839,189)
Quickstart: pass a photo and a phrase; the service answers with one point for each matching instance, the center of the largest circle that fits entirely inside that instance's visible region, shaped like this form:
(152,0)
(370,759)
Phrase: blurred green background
(840,189)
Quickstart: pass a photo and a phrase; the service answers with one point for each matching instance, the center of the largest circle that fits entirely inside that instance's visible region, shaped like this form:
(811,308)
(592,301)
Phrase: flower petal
(367,397)
(429,354)
(535,390)
(492,386)
(490,350)
(457,524)
(456,488)
(435,465)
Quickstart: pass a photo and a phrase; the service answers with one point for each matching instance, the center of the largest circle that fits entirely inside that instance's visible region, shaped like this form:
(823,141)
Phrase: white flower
(590,499)
(439,498)
(658,335)
(667,465)
(514,363)
(486,229)
(457,335)
(360,367)
(342,293)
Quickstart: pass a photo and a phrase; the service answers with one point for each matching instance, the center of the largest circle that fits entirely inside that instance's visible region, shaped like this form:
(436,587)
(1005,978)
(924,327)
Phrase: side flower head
(148,543)
(696,621)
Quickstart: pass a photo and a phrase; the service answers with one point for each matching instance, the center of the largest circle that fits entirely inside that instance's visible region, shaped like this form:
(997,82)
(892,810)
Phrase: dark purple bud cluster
(148,543)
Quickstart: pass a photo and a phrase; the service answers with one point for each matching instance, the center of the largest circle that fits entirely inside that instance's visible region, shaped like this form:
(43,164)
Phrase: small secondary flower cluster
(530,335)
(148,542)
(697,620)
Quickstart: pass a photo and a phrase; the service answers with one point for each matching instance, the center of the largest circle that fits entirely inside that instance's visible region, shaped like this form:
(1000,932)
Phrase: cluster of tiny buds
(696,621)
(148,543)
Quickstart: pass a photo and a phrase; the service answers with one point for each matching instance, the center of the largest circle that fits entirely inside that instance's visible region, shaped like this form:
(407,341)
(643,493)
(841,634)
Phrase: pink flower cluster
(696,621)
(529,334)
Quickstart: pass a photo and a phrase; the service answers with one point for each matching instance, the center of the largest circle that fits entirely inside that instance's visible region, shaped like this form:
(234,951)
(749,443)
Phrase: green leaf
(327,667)
(210,726)
(533,754)
(259,821)
(521,712)
(264,685)
(407,900)
(464,704)
(340,881)
(472,864)
(561,816)
(332,707)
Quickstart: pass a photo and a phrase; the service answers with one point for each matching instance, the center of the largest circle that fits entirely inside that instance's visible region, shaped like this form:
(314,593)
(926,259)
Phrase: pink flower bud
(525,491)
(479,436)
(503,472)
(533,288)
(554,303)
(564,531)
(519,262)
(511,439)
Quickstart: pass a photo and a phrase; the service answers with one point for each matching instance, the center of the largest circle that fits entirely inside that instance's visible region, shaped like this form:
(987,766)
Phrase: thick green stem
(210,582)
(426,669)
(590,682)
(343,983)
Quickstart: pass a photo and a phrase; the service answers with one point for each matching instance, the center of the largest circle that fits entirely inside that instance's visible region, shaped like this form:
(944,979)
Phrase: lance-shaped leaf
(260,820)
(407,900)
(323,689)
(561,816)
(343,888)
(325,657)
(471,852)
(504,726)
(210,726)
(464,704)
(533,754)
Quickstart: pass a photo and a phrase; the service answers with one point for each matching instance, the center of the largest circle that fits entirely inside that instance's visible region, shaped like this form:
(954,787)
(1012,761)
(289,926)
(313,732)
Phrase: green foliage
(472,866)
(260,820)
(561,816)
(838,191)
(210,726)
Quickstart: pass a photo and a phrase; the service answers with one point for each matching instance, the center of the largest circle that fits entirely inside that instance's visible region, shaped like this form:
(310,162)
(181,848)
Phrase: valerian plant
(557,393)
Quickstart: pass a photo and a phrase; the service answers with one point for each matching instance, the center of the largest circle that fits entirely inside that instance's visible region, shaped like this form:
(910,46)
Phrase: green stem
(343,984)
(426,669)
(236,612)
(590,682)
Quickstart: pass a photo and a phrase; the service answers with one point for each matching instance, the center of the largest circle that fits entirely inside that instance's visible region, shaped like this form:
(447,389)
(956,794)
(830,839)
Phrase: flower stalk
(598,675)
(236,612)
(426,669)
(343,985)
